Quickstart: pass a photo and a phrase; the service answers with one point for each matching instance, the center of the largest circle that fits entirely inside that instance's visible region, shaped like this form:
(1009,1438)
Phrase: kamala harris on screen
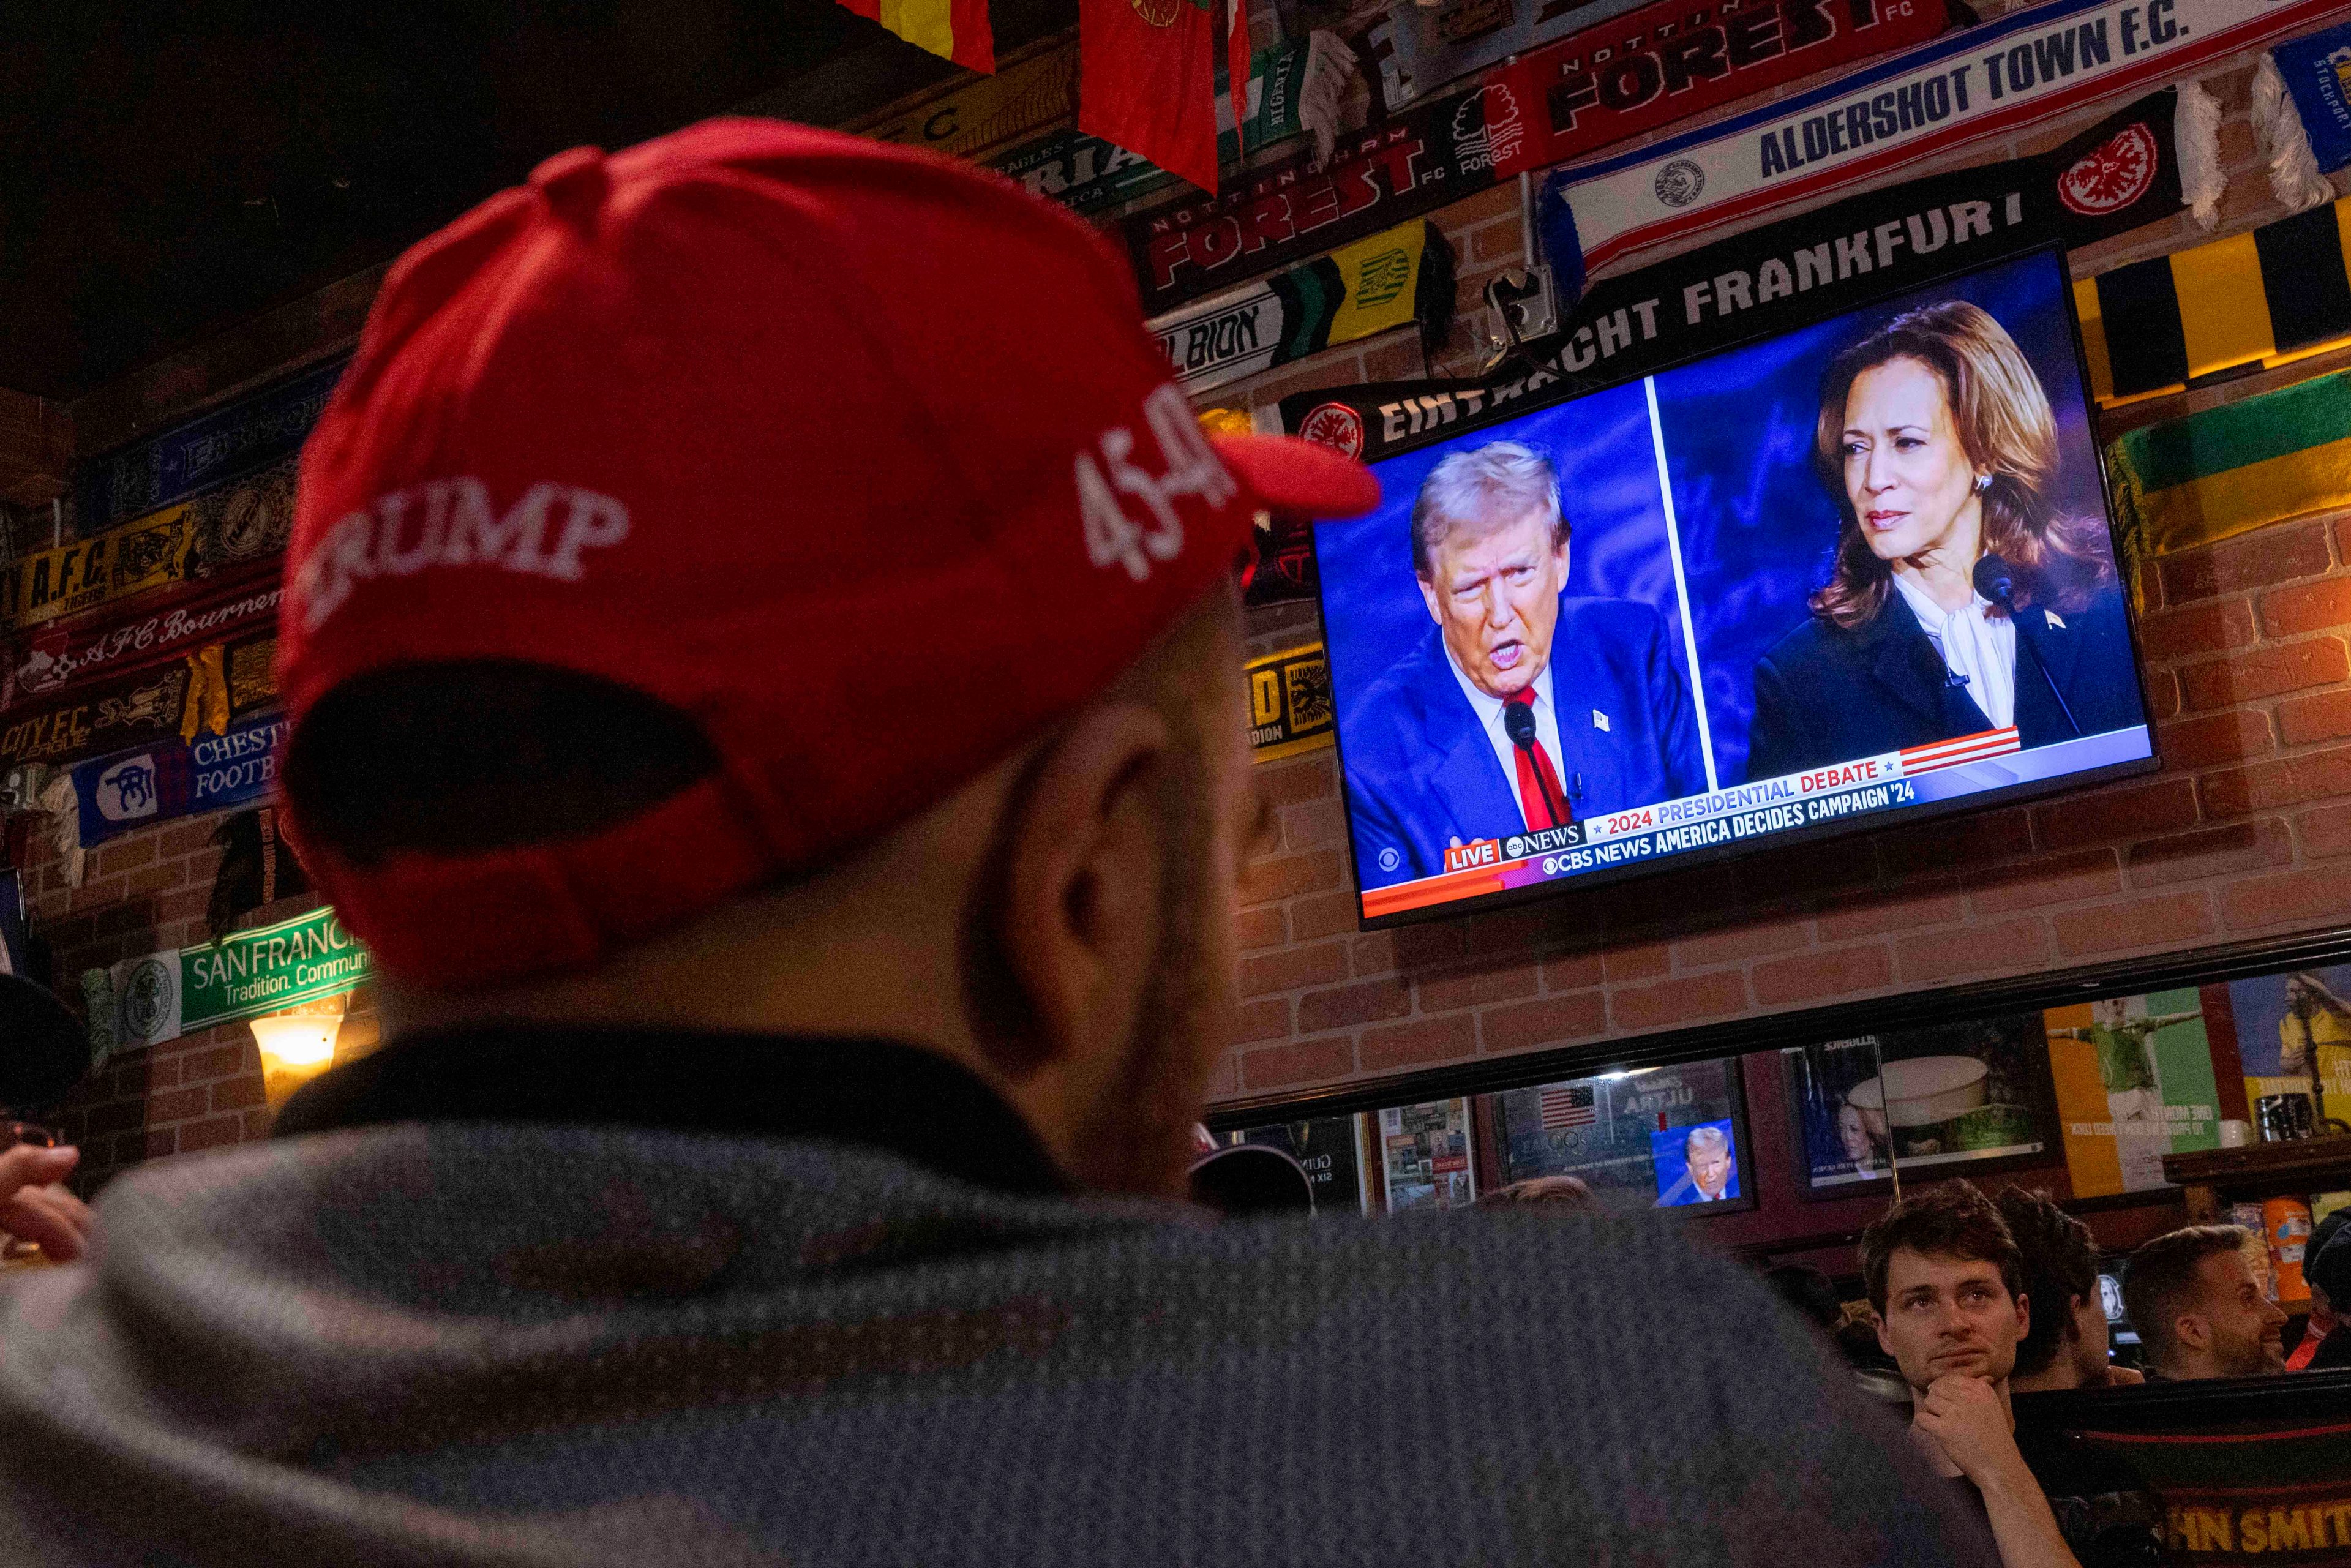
(1960,599)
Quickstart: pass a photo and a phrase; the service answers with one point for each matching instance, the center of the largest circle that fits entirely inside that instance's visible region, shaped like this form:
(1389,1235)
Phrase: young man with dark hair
(764,673)
(2066,1347)
(2199,1310)
(1946,1281)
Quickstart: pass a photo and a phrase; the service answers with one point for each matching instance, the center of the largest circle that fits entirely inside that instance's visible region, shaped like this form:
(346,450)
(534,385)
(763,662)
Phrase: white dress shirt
(1490,715)
(1974,643)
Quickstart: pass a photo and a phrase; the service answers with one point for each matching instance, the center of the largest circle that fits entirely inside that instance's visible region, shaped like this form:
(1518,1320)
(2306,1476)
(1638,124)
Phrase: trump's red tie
(1535,796)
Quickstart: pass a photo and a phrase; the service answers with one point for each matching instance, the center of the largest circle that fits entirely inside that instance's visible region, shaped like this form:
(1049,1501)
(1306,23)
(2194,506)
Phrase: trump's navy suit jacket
(1824,694)
(1421,773)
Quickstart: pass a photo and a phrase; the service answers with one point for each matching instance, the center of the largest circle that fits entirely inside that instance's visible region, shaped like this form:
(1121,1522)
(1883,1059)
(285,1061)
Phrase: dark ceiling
(169,170)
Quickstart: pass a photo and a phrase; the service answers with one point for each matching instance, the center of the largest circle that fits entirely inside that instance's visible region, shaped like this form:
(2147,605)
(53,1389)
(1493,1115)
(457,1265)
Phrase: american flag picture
(1566,1106)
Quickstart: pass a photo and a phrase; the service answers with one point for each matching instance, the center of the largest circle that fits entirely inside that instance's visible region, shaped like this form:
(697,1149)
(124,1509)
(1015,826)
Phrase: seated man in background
(2324,1320)
(1946,1281)
(765,681)
(2198,1309)
(2066,1345)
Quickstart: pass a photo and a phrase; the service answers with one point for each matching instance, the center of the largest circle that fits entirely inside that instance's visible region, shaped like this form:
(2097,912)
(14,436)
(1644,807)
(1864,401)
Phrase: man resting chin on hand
(1946,1277)
(34,1208)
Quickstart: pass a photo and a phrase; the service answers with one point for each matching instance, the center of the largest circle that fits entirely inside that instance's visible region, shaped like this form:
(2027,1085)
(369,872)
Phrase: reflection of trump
(1436,756)
(1938,445)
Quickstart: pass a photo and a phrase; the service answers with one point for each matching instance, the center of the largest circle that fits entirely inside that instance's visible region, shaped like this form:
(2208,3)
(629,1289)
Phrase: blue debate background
(1758,529)
(1372,609)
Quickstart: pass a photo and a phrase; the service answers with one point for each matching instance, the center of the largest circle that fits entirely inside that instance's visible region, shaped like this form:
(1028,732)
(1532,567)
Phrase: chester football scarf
(1992,80)
(954,31)
(1148,80)
(2243,465)
(2119,174)
(2280,292)
(1290,704)
(1358,291)
(174,778)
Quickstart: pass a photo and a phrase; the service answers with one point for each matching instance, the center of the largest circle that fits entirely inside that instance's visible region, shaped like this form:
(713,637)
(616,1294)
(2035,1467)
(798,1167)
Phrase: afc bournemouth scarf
(1389,280)
(1439,152)
(955,30)
(180,990)
(1147,80)
(196,456)
(1290,704)
(2115,176)
(61,655)
(2228,470)
(205,693)
(2280,292)
(2019,71)
(246,521)
(174,778)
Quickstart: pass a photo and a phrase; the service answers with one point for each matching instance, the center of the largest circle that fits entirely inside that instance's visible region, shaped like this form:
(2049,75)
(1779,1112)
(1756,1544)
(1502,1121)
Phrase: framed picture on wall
(1424,1155)
(2294,1033)
(1974,1094)
(1658,1137)
(2135,1082)
(1329,1149)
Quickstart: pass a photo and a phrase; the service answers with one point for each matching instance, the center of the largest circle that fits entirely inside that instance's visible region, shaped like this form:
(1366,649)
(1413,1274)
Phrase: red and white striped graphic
(1964,748)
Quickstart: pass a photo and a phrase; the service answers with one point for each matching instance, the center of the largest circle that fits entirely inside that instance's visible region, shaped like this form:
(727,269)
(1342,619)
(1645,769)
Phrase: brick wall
(2243,833)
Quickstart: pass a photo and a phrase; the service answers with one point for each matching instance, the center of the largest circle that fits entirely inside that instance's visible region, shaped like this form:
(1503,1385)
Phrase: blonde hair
(2004,423)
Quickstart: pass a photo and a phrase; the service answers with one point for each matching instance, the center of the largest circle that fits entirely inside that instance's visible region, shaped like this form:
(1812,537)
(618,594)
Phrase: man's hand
(1968,1421)
(32,1207)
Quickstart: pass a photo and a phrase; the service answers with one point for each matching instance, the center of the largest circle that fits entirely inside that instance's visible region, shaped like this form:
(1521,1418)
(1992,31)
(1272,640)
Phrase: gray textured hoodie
(475,1343)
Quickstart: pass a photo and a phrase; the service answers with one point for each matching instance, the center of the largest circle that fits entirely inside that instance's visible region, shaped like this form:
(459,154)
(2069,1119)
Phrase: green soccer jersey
(2122,1059)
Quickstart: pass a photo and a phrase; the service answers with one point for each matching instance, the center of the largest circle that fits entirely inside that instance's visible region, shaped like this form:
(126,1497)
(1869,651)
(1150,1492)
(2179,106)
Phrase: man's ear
(1428,597)
(2023,1314)
(2191,1332)
(1080,915)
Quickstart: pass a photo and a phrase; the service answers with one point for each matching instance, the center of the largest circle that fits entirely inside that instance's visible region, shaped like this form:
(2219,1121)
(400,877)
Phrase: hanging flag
(1566,1106)
(954,31)
(2279,292)
(1237,64)
(2231,469)
(1148,80)
(1994,79)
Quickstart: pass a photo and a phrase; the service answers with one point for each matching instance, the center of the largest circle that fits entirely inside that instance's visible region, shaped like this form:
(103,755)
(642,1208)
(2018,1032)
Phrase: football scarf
(174,778)
(2119,174)
(1290,704)
(161,629)
(1992,80)
(190,458)
(208,689)
(2228,470)
(244,521)
(2279,292)
(180,990)
(1358,291)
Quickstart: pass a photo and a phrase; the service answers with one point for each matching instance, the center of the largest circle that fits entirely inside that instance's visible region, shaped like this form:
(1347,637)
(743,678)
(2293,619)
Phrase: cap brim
(1298,478)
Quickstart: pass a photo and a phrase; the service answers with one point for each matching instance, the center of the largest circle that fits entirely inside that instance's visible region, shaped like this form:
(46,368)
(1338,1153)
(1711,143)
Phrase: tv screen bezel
(1899,816)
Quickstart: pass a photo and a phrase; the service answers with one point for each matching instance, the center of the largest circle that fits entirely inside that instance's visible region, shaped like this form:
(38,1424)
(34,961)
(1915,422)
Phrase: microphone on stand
(1518,723)
(1996,580)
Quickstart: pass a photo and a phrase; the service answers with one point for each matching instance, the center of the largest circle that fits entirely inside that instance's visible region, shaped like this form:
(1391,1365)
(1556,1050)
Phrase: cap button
(573,184)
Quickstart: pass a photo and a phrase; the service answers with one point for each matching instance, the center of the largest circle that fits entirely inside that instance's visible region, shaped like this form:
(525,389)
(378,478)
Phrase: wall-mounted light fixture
(296,1047)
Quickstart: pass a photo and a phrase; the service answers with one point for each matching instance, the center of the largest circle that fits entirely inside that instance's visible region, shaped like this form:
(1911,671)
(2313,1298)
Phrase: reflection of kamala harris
(1938,441)
(1519,708)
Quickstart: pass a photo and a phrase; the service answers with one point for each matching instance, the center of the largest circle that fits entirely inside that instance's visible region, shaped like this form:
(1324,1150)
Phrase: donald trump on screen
(1521,708)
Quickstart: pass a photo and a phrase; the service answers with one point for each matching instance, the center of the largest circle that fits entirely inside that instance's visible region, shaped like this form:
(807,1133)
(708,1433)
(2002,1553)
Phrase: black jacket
(1823,694)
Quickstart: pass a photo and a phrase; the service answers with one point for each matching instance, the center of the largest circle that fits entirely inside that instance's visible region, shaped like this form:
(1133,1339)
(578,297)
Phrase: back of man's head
(1952,1220)
(2164,1279)
(2061,1262)
(630,682)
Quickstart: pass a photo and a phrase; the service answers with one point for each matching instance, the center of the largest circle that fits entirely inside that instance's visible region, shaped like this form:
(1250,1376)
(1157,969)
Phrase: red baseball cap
(860,457)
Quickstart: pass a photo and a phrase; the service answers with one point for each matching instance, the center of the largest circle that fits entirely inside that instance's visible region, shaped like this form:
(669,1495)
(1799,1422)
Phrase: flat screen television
(1857,573)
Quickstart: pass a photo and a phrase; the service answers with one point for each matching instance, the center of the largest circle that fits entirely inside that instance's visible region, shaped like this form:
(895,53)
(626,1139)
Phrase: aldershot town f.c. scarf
(1992,79)
(2117,175)
(2231,469)
(2278,293)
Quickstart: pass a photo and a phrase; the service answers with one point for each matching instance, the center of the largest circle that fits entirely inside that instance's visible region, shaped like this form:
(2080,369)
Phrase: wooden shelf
(2259,1170)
